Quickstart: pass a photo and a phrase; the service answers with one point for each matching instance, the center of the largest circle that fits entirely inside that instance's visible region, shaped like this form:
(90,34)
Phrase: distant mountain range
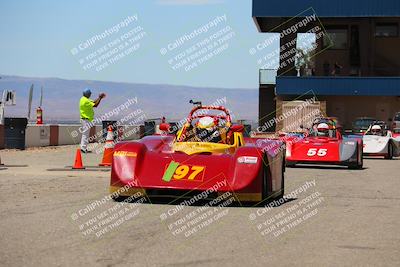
(61,97)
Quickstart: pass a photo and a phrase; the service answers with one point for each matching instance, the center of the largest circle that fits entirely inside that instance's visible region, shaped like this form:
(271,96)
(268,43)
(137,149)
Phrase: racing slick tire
(267,194)
(290,164)
(360,160)
(390,151)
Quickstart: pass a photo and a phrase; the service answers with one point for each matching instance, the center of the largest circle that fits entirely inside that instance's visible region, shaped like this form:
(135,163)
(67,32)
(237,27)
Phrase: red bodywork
(303,150)
(335,150)
(145,164)
(150,157)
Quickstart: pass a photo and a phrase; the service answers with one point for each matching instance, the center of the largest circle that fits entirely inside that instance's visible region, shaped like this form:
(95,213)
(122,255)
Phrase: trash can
(105,128)
(149,127)
(14,132)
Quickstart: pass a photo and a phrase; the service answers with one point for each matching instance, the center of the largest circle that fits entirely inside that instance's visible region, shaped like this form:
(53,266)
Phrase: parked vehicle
(396,123)
(361,125)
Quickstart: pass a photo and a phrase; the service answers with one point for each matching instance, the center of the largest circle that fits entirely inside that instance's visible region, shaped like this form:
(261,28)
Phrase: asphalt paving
(331,216)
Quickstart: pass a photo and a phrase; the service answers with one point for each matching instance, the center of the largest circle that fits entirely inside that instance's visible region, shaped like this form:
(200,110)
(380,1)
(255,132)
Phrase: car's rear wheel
(360,159)
(390,151)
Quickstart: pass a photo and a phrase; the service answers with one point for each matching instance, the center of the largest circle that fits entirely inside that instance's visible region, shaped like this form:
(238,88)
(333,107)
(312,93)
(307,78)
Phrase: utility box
(14,132)
(296,116)
(149,127)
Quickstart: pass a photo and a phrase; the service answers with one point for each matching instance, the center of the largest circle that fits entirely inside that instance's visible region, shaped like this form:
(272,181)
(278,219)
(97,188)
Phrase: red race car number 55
(315,151)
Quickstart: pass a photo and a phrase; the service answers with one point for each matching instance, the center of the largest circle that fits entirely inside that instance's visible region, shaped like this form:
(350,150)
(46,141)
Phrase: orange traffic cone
(78,160)
(108,148)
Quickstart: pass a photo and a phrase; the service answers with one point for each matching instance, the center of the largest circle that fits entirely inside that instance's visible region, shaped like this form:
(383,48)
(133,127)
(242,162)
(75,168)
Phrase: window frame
(377,24)
(336,27)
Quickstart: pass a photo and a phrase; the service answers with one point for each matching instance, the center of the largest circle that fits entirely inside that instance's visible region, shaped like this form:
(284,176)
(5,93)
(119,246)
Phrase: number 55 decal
(319,152)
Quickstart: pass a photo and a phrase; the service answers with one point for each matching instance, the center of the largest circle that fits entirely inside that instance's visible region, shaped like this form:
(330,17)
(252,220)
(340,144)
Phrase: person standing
(86,111)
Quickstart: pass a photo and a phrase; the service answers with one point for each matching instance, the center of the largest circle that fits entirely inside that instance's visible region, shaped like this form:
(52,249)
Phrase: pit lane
(356,223)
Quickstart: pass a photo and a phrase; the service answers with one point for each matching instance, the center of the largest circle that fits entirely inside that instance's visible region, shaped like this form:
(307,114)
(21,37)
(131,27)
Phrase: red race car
(324,144)
(208,154)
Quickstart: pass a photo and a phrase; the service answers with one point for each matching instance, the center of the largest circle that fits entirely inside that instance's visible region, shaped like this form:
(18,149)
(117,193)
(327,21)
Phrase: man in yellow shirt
(86,106)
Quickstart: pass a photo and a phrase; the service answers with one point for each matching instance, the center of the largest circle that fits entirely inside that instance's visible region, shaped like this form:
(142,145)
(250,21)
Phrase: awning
(269,13)
(316,85)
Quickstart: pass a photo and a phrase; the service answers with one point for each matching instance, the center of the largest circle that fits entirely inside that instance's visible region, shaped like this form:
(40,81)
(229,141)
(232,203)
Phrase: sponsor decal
(176,171)
(125,154)
(247,160)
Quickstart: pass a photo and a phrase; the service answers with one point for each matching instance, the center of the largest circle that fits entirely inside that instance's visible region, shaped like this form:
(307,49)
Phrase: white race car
(380,142)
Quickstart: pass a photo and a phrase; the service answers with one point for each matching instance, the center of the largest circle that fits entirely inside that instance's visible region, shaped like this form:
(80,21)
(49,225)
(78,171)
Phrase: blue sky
(37,38)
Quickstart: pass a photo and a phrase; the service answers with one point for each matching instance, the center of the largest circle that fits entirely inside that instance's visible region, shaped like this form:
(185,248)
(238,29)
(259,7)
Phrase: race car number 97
(315,151)
(177,171)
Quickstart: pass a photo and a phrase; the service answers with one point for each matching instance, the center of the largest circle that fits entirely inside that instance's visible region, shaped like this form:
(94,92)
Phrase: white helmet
(376,129)
(206,122)
(322,127)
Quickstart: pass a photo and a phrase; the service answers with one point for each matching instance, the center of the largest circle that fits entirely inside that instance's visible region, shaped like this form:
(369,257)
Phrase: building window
(336,38)
(387,30)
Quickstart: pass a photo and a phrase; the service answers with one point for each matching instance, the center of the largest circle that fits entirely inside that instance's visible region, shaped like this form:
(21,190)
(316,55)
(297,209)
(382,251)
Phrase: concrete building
(354,68)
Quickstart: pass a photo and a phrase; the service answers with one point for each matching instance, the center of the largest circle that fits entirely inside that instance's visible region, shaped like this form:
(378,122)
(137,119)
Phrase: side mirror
(164,127)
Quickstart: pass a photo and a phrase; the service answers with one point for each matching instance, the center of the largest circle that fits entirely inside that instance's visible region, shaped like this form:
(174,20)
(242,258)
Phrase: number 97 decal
(319,152)
(174,170)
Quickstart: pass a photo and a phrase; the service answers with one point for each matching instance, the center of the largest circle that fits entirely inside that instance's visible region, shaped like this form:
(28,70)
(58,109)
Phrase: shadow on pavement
(201,203)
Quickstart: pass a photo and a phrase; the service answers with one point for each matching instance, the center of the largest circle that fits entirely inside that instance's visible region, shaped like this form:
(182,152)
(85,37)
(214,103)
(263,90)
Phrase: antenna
(30,101)
(8,99)
(41,96)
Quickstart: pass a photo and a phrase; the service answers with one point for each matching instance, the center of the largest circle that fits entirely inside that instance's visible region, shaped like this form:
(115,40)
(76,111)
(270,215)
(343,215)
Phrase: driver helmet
(207,131)
(205,123)
(376,130)
(323,129)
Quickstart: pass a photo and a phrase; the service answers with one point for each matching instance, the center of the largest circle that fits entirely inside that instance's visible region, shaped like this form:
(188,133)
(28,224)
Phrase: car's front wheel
(390,152)
(267,191)
(290,164)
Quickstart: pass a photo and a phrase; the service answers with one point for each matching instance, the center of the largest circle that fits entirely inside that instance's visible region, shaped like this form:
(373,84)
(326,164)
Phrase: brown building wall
(348,108)
(279,103)
(387,56)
